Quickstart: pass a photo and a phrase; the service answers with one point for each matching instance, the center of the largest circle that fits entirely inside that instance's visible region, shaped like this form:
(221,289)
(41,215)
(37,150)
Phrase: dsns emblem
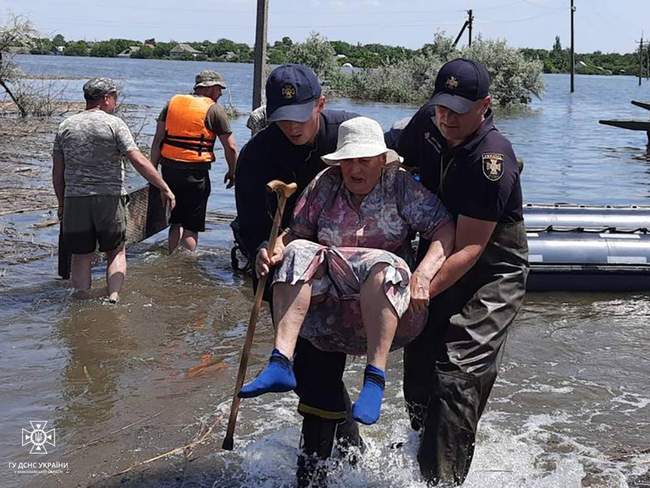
(288,92)
(452,83)
(492,164)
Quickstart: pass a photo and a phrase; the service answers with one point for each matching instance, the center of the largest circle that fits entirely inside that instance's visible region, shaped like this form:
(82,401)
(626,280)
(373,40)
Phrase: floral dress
(338,244)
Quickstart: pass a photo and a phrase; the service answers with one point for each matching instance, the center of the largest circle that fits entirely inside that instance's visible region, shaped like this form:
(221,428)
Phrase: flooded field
(138,393)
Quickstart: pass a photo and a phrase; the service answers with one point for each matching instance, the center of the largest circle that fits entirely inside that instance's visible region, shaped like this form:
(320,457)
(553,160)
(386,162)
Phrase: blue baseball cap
(290,93)
(460,83)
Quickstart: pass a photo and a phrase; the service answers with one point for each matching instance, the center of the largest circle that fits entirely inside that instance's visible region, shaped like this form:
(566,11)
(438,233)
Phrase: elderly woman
(344,283)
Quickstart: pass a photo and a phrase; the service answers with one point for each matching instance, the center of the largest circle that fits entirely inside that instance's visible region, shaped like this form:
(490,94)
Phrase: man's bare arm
(146,168)
(156,145)
(230,150)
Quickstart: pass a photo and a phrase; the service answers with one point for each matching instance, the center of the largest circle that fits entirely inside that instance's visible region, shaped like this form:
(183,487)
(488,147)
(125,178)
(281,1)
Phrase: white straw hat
(360,137)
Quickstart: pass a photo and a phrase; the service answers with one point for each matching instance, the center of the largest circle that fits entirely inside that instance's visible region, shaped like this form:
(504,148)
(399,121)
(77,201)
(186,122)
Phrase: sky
(600,25)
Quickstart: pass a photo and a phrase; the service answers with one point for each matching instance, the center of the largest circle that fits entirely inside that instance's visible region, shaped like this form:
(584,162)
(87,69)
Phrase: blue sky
(603,25)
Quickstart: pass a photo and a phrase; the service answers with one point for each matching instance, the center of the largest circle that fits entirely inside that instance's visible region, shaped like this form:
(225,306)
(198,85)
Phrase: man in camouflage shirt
(88,178)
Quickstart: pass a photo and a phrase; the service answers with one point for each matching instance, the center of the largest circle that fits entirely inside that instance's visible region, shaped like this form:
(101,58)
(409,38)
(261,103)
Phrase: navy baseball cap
(290,93)
(460,83)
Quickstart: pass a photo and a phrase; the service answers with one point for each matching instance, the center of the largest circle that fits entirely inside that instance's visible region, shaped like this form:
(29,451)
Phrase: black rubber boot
(316,444)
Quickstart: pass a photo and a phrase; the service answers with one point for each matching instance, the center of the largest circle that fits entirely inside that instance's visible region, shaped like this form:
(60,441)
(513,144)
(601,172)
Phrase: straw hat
(360,137)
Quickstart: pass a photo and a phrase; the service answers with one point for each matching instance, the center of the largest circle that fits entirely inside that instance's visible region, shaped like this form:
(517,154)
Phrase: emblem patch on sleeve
(492,164)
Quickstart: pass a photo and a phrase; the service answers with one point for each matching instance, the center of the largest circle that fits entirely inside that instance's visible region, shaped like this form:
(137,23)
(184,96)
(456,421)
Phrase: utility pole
(641,60)
(573,52)
(260,51)
(470,21)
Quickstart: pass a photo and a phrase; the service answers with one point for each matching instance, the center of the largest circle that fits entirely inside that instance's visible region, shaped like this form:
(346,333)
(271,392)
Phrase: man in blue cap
(449,370)
(289,149)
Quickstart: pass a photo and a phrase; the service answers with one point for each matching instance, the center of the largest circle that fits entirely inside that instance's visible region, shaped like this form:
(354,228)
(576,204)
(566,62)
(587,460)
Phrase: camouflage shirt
(92,144)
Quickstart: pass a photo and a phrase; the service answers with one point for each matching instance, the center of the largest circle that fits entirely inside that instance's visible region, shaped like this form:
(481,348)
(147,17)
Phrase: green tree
(59,40)
(317,53)
(76,48)
(145,52)
(162,49)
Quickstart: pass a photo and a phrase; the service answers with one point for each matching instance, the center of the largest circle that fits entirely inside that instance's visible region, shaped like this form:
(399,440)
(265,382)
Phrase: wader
(449,370)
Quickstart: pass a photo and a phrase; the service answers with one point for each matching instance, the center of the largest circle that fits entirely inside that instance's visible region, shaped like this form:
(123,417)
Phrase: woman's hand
(264,263)
(419,286)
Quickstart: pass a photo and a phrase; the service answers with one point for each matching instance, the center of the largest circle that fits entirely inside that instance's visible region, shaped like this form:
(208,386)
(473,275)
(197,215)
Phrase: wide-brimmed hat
(360,137)
(208,78)
(460,83)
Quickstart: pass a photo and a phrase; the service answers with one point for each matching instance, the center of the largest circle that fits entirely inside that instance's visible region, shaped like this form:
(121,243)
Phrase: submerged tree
(17,32)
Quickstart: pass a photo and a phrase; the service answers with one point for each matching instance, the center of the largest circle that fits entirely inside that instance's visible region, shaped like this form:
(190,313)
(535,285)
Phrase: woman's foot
(368,407)
(277,377)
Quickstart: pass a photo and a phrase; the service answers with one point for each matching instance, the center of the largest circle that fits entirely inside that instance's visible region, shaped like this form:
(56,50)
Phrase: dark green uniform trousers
(449,370)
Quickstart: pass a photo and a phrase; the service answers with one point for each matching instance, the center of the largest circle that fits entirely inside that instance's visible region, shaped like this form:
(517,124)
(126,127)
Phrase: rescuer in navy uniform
(289,149)
(449,370)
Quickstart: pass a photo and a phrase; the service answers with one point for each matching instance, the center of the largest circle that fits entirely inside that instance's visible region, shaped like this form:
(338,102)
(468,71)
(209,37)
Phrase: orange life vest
(187,139)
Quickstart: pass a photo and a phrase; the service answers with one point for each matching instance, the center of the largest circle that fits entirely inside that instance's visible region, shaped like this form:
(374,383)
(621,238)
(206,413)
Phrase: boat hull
(580,248)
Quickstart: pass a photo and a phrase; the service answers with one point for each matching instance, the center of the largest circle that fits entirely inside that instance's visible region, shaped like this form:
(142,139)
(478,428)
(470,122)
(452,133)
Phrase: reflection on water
(126,383)
(93,336)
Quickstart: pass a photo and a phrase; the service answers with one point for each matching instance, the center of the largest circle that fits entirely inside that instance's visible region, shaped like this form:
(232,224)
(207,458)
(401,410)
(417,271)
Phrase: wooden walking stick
(283,192)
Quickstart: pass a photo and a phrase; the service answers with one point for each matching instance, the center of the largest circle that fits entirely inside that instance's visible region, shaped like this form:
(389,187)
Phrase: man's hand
(419,286)
(59,212)
(168,199)
(229,178)
(264,263)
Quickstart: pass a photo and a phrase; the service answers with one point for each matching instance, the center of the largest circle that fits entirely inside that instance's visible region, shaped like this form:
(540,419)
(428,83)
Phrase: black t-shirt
(478,179)
(269,155)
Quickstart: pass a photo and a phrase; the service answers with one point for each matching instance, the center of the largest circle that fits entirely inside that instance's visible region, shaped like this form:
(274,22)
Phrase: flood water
(120,384)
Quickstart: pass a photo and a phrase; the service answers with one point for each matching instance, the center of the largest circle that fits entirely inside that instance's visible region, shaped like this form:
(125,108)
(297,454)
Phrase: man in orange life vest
(187,129)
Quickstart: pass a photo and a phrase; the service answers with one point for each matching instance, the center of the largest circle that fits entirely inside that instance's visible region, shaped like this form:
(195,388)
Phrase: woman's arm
(442,244)
(264,263)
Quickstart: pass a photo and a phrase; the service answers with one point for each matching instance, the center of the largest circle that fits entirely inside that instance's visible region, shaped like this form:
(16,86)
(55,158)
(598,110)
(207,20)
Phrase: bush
(407,81)
(514,79)
(317,53)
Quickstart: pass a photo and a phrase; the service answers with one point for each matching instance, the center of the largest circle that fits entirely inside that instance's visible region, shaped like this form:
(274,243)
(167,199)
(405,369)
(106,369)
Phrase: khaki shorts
(94,219)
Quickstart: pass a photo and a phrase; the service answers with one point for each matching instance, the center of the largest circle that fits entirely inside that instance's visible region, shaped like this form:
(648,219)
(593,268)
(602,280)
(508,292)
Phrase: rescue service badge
(288,91)
(452,83)
(492,164)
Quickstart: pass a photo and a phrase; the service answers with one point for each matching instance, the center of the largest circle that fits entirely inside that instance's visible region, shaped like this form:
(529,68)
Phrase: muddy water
(126,383)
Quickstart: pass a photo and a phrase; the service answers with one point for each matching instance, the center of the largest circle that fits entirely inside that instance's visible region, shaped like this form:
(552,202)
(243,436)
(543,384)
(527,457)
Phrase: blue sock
(276,377)
(367,408)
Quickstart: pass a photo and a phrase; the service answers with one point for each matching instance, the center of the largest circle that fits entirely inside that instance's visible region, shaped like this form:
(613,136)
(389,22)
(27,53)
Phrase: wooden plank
(146,217)
(643,125)
(641,104)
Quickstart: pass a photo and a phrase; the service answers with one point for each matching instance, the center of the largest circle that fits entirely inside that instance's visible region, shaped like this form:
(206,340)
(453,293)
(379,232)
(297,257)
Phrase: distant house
(59,49)
(128,51)
(229,56)
(150,42)
(183,50)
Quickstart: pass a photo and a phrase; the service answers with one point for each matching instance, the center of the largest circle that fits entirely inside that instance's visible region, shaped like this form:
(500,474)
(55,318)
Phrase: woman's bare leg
(380,322)
(290,306)
(379,317)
